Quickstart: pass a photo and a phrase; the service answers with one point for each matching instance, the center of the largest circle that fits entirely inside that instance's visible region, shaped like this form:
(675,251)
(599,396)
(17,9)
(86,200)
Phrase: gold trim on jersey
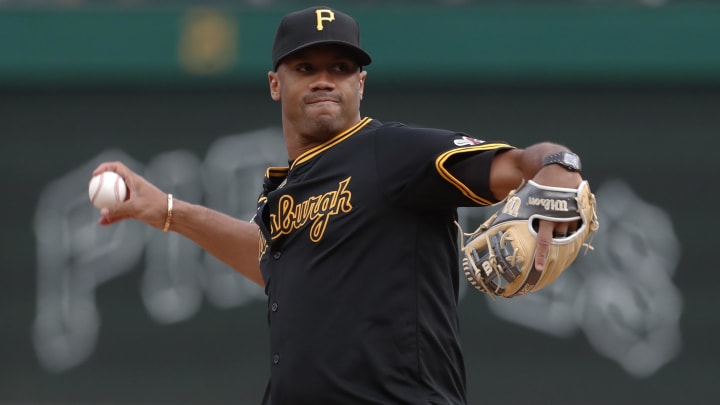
(276,172)
(330,143)
(445,174)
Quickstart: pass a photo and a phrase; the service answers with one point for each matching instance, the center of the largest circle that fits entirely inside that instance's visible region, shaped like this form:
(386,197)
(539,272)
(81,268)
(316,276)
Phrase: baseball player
(355,240)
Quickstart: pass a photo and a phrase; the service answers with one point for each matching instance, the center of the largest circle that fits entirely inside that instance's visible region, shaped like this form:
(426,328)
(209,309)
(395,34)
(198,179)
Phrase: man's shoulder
(400,129)
(397,127)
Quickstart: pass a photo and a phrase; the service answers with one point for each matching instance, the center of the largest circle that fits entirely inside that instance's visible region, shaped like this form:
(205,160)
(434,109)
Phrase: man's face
(320,89)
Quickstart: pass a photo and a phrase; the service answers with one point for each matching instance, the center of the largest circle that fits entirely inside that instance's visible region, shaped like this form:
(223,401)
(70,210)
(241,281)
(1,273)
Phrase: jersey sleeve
(434,168)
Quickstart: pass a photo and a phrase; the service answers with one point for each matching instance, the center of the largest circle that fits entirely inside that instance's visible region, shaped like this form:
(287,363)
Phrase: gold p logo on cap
(323,15)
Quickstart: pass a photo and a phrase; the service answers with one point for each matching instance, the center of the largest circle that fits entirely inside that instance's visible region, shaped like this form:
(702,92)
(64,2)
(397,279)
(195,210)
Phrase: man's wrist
(568,160)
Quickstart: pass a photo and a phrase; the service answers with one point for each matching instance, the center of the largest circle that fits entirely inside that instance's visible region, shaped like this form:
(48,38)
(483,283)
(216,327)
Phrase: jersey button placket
(274,308)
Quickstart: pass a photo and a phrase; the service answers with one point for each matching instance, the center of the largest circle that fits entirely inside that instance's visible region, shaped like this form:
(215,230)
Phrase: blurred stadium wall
(178,91)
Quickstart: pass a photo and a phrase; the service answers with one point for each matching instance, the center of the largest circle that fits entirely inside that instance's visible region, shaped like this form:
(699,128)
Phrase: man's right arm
(232,241)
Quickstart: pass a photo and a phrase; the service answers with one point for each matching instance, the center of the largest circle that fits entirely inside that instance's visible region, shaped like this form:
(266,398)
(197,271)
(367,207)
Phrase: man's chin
(326,124)
(325,115)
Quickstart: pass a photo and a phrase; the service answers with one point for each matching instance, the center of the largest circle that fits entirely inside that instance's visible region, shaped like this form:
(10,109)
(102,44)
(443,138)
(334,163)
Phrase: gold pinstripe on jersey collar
(276,172)
(330,143)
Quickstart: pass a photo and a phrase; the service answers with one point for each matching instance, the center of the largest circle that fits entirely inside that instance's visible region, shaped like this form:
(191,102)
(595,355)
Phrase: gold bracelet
(168,218)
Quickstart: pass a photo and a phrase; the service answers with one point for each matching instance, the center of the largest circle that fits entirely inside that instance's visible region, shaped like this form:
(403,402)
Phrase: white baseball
(106,189)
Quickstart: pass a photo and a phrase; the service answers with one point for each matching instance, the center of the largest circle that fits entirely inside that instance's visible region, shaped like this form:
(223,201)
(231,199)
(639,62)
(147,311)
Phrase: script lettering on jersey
(549,204)
(316,210)
(324,15)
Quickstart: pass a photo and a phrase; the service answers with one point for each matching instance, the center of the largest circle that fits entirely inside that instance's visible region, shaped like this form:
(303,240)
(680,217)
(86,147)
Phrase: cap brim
(362,57)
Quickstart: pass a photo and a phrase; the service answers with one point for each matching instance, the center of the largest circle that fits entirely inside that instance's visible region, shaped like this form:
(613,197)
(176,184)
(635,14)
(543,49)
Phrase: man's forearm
(230,240)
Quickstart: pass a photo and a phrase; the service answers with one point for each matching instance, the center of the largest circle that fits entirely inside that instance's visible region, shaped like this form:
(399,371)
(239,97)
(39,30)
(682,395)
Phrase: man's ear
(363,75)
(274,85)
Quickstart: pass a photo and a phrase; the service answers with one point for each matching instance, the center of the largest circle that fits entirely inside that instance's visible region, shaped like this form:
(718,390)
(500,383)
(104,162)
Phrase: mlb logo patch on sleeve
(467,141)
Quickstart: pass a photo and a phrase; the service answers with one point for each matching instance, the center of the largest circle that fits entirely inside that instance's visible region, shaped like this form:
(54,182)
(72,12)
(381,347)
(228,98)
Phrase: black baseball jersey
(359,252)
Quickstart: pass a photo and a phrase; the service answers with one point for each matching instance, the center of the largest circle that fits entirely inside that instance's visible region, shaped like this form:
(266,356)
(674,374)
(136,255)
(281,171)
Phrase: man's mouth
(321,99)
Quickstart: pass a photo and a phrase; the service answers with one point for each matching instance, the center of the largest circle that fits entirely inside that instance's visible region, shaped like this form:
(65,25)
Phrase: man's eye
(303,67)
(342,67)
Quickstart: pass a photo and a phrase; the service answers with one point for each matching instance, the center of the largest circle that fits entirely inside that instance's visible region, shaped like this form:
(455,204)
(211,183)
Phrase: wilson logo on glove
(548,204)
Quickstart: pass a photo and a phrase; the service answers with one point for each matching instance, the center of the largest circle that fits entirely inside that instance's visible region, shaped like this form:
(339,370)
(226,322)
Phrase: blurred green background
(632,86)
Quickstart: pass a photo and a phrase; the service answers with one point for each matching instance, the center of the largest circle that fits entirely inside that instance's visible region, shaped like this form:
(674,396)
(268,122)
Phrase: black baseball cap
(315,26)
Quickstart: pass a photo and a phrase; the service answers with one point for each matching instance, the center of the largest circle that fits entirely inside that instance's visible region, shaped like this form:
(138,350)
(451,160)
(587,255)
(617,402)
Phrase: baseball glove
(498,258)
